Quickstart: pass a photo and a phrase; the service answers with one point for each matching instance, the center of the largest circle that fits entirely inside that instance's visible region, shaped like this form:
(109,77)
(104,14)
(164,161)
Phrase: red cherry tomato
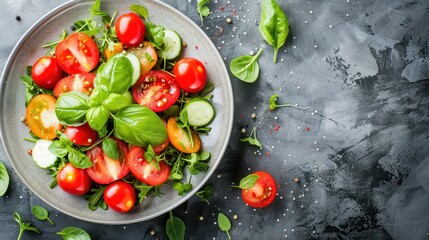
(82,135)
(46,72)
(73,180)
(156,90)
(262,193)
(78,53)
(130,29)
(120,196)
(82,82)
(106,169)
(145,171)
(190,74)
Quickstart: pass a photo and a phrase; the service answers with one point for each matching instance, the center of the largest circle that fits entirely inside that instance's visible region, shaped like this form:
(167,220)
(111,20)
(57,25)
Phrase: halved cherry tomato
(145,171)
(82,135)
(73,180)
(157,90)
(120,196)
(82,82)
(130,29)
(78,53)
(180,139)
(147,56)
(105,169)
(262,193)
(46,72)
(41,118)
(116,48)
(190,74)
(159,148)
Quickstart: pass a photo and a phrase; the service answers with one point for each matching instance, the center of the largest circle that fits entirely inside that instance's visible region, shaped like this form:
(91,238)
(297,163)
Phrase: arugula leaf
(273,25)
(23,226)
(41,213)
(140,10)
(246,68)
(248,182)
(274,105)
(143,190)
(53,45)
(224,223)
(96,199)
(31,89)
(110,148)
(202,9)
(252,139)
(175,228)
(74,233)
(4,179)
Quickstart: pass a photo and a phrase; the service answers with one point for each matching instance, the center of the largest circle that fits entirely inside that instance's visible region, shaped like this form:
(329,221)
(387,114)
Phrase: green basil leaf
(74,233)
(224,223)
(110,148)
(116,101)
(58,148)
(4,179)
(97,117)
(41,213)
(202,9)
(65,140)
(71,108)
(249,181)
(139,125)
(115,76)
(175,228)
(98,95)
(246,68)
(155,34)
(140,10)
(273,25)
(78,159)
(149,154)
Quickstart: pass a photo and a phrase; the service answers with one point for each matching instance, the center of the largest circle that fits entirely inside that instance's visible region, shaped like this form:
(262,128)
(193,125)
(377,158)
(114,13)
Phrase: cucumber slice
(172,45)
(200,112)
(135,62)
(41,154)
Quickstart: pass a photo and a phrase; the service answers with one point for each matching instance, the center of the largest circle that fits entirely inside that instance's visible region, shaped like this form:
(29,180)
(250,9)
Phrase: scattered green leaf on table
(252,139)
(246,68)
(206,193)
(4,179)
(202,9)
(274,105)
(273,25)
(41,213)
(23,226)
(224,223)
(175,228)
(74,233)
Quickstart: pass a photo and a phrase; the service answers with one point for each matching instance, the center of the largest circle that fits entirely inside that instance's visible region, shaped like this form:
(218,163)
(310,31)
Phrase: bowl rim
(208,174)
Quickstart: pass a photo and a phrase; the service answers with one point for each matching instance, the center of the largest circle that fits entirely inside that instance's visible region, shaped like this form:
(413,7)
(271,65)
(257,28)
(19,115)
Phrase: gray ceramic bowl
(28,49)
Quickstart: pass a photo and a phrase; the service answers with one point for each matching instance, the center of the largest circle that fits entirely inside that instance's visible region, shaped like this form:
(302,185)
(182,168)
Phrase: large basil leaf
(139,125)
(71,108)
(116,101)
(98,95)
(74,233)
(4,179)
(115,75)
(246,68)
(97,117)
(273,25)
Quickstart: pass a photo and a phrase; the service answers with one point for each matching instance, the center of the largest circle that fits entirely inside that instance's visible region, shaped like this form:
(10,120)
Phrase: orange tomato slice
(147,56)
(180,139)
(41,118)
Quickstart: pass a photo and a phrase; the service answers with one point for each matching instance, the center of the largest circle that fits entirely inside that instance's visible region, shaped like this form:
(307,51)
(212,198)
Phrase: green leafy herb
(64,147)
(41,213)
(31,89)
(151,129)
(95,200)
(23,226)
(273,25)
(71,107)
(202,9)
(110,148)
(148,57)
(246,68)
(143,190)
(4,179)
(248,182)
(175,228)
(78,159)
(115,76)
(224,223)
(74,233)
(206,193)
(140,10)
(252,139)
(53,45)
(97,117)
(155,34)
(274,105)
(182,188)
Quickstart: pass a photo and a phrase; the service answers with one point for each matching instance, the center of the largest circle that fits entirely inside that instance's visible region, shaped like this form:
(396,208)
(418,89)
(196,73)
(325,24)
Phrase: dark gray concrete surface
(360,152)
